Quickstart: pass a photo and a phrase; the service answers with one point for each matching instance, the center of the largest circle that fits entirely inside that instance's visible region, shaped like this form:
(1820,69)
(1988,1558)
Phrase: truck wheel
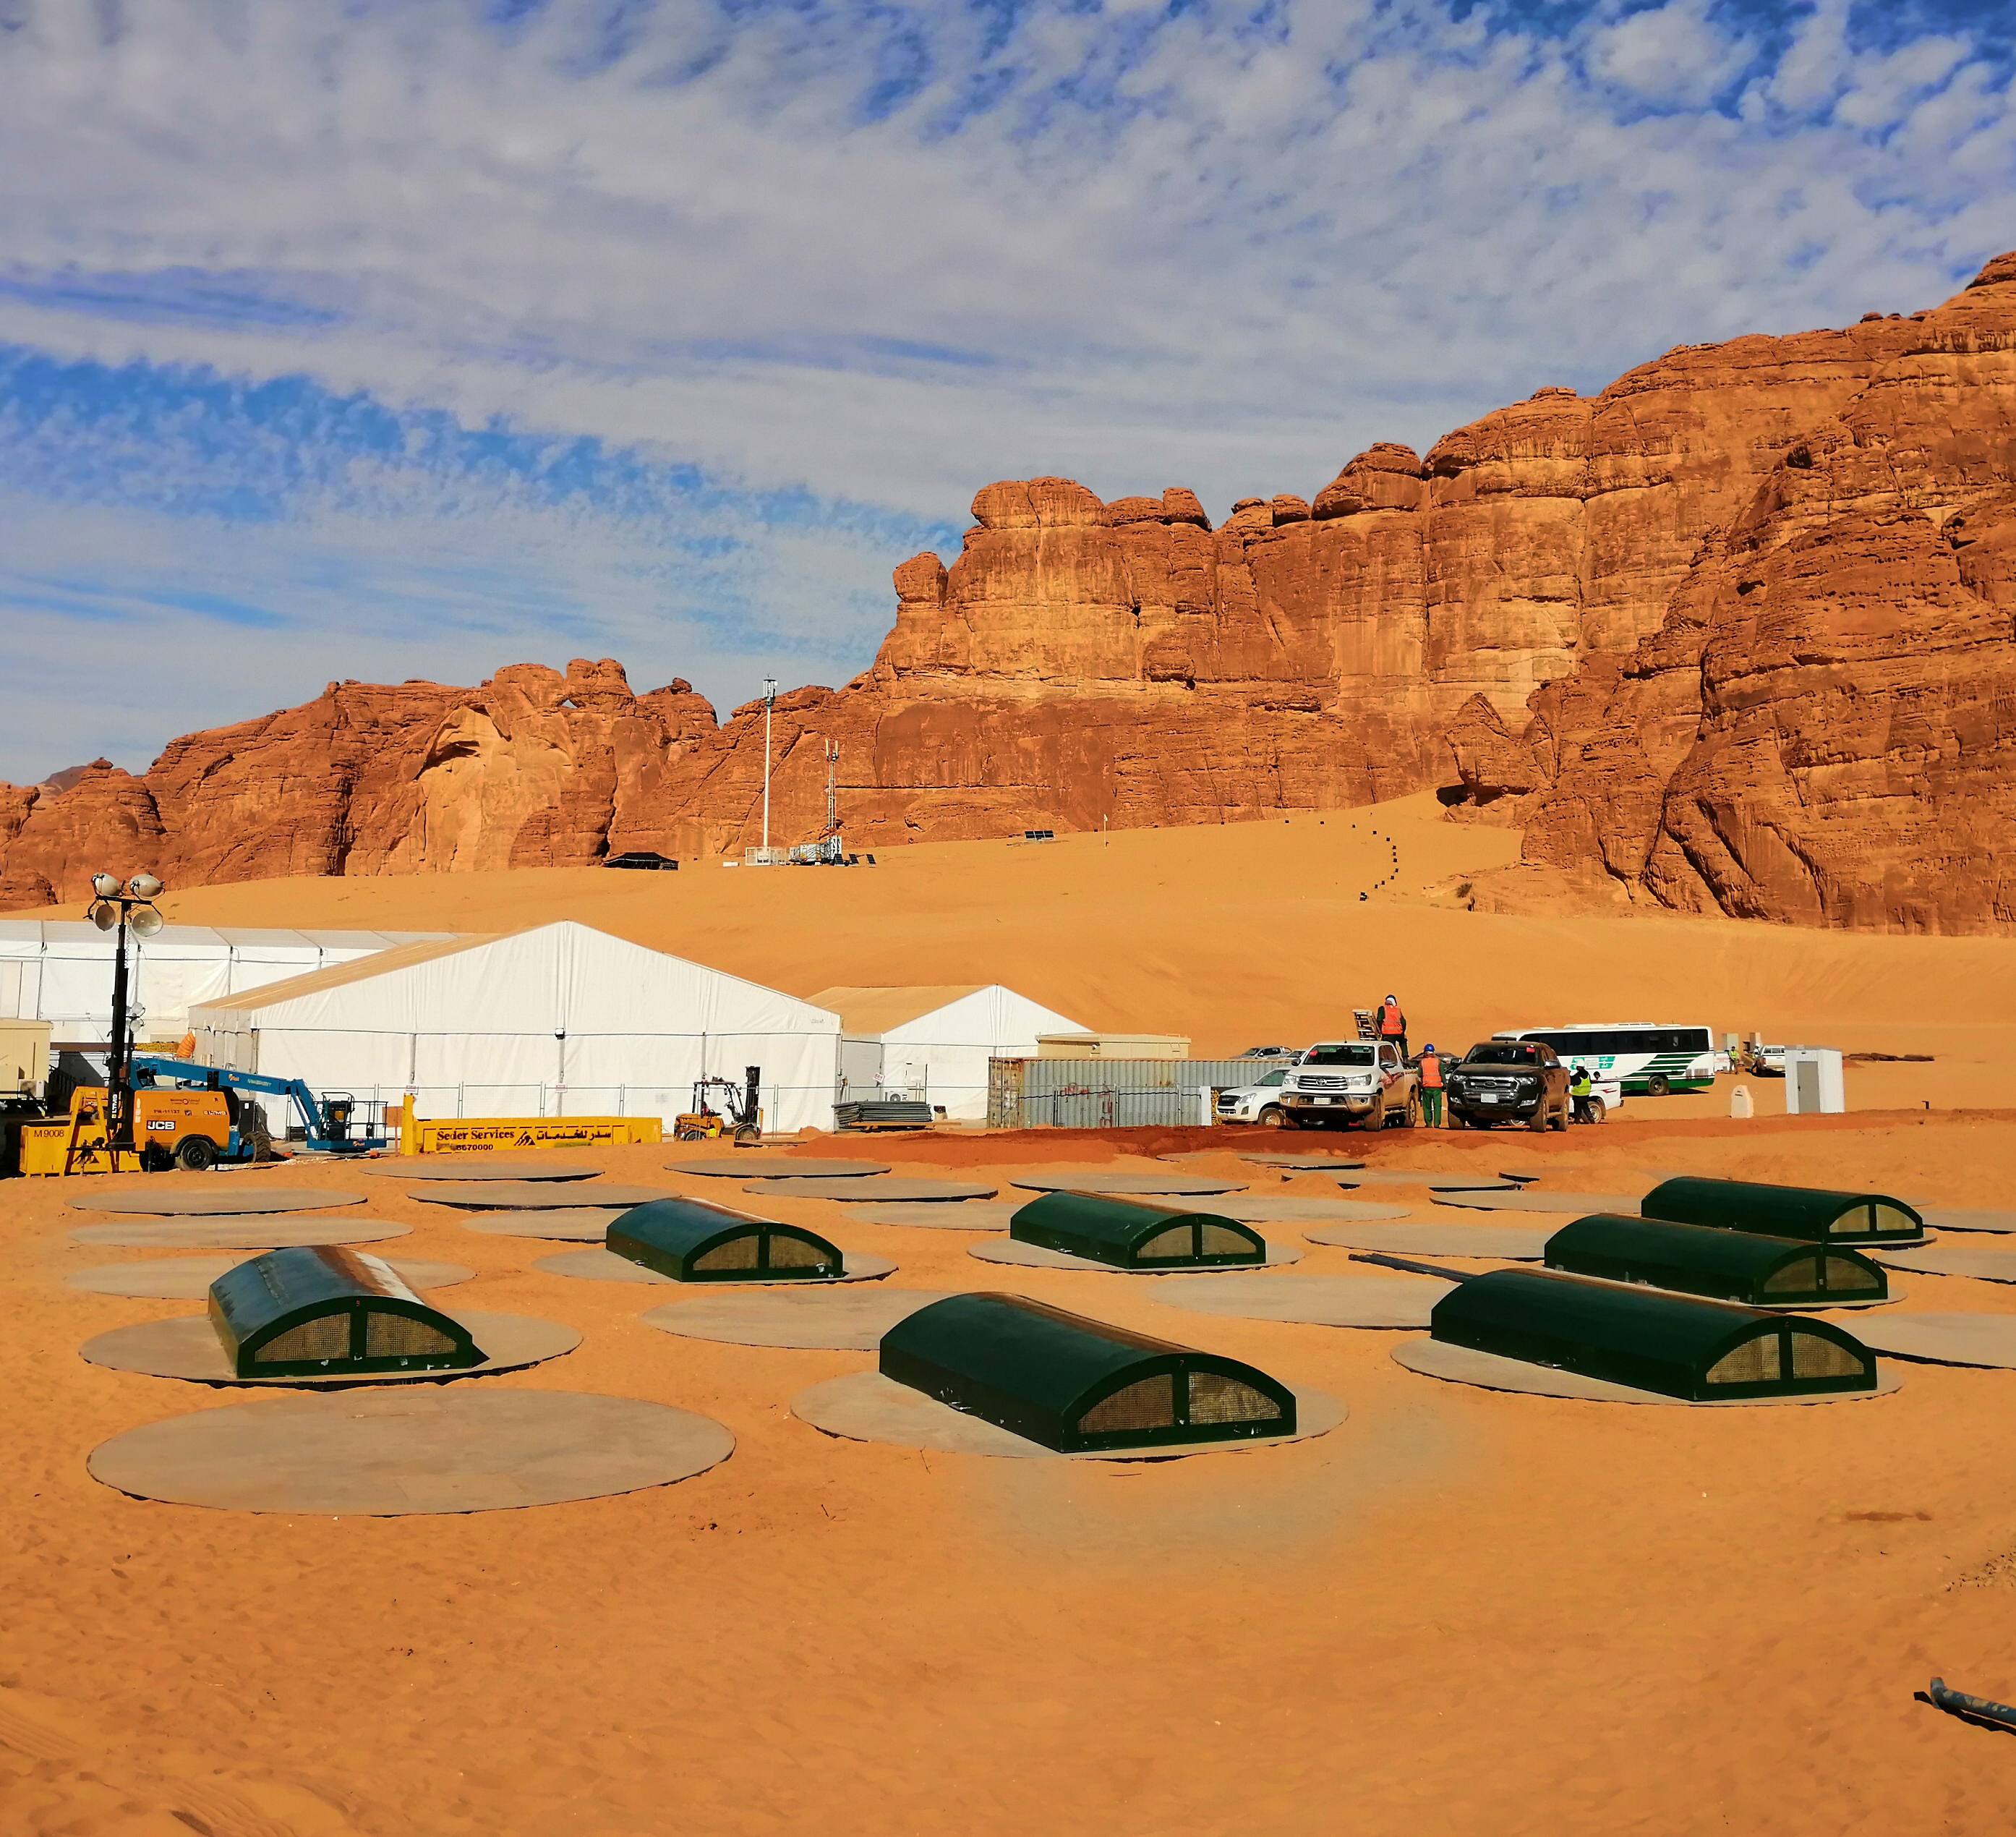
(1597,1110)
(1560,1119)
(1272,1118)
(1537,1122)
(196,1153)
(1410,1117)
(1377,1119)
(1658,1085)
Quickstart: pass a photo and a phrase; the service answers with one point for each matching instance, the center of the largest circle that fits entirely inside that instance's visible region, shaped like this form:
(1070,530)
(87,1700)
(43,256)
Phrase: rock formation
(1731,636)
(1822,727)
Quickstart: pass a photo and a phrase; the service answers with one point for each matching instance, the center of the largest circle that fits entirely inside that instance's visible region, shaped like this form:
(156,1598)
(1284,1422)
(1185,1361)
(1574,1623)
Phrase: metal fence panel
(1111,1093)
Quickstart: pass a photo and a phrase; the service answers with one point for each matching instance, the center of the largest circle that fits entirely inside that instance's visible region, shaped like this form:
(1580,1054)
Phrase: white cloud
(1192,249)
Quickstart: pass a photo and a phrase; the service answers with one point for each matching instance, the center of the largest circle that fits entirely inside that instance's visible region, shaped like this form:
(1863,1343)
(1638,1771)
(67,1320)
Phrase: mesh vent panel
(1889,1219)
(737,1253)
(1858,1222)
(1175,1241)
(1815,1357)
(794,1253)
(1755,1361)
(327,1336)
(1215,1398)
(1798,1277)
(394,1336)
(1843,1278)
(1149,1404)
(1218,1241)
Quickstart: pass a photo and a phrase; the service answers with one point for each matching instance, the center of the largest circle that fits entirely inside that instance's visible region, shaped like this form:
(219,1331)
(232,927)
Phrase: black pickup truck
(1510,1081)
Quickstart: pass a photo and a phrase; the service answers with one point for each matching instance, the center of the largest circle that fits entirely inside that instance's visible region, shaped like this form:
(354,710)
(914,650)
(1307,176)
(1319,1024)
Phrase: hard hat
(1430,1047)
(1393,998)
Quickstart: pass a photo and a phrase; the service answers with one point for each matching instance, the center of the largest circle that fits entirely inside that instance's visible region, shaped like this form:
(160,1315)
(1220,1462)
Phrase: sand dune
(1244,935)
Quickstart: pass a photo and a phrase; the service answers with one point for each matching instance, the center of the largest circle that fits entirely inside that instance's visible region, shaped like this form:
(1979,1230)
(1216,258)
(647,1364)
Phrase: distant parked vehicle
(1510,1081)
(1269,1052)
(1340,1082)
(1259,1103)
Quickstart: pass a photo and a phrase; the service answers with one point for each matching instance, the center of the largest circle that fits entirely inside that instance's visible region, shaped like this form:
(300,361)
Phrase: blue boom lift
(329,1123)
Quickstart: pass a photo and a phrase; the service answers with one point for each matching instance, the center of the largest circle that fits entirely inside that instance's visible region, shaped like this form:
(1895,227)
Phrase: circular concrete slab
(844,1321)
(1320,1301)
(188,1348)
(1950,1218)
(1088,1180)
(567,1224)
(776,1167)
(238,1233)
(187,1278)
(229,1198)
(1941,1339)
(873,1186)
(1526,1199)
(1037,1256)
(866,1407)
(605,1266)
(1304,1163)
(1436,1183)
(479,1167)
(1510,1243)
(537,1195)
(1982,1266)
(1433,1358)
(1289,1209)
(981,1215)
(389,1454)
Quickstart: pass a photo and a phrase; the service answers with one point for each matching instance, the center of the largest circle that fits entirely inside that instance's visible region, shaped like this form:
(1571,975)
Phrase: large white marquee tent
(60,970)
(559,1020)
(932,1043)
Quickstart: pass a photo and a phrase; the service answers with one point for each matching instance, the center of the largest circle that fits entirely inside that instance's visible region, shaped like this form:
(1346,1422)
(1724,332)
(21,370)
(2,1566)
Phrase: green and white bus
(1647,1057)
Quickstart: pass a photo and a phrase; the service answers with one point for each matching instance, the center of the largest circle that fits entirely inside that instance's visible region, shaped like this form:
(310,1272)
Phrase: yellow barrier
(486,1135)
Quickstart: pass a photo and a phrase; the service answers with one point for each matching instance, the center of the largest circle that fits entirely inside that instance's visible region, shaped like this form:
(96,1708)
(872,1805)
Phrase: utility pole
(832,786)
(769,702)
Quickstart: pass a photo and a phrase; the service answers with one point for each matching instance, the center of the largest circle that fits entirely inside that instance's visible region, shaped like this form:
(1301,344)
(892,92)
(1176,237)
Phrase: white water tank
(1813,1084)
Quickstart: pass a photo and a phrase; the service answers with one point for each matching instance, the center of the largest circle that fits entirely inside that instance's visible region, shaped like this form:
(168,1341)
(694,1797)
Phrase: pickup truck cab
(1340,1082)
(1259,1102)
(1510,1081)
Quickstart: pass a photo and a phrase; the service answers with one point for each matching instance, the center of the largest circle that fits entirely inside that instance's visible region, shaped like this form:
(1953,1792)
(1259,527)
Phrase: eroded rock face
(1723,636)
(1823,727)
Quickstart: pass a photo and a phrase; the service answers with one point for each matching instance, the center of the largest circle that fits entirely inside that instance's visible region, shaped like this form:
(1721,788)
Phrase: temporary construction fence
(1112,1094)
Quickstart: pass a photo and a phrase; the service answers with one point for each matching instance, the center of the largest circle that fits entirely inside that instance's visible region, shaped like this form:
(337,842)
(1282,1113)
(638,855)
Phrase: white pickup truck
(1338,1083)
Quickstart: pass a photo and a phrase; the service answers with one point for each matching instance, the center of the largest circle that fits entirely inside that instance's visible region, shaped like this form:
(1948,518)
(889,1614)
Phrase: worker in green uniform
(1431,1087)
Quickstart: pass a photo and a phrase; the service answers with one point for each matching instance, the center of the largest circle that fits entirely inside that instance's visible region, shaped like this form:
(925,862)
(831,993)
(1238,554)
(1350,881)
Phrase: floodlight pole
(769,702)
(138,896)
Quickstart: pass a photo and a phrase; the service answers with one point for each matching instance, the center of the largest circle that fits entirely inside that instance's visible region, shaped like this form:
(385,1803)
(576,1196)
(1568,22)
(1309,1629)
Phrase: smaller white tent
(932,1044)
(558,1021)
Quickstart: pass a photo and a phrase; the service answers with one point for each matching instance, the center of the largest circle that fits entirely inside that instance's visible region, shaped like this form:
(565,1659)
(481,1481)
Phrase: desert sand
(1460,1612)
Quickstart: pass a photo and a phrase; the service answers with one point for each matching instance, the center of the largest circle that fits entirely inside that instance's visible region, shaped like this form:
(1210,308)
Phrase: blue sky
(416,338)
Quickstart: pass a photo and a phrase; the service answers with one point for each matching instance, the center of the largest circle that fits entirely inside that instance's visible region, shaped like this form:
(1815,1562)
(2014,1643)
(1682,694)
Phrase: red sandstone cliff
(1550,597)
(1822,727)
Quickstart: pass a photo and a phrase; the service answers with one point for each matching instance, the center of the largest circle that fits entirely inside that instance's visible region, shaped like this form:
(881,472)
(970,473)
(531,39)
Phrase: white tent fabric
(60,970)
(932,1043)
(559,1020)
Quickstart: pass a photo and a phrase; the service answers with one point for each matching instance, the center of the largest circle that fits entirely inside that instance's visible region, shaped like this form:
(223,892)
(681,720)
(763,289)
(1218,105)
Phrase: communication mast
(832,786)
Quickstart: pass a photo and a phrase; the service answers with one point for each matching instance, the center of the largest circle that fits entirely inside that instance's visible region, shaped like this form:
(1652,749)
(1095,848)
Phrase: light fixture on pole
(131,910)
(769,702)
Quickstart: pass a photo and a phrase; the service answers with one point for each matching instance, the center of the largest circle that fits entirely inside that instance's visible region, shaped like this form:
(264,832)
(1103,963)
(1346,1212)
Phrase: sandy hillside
(1245,934)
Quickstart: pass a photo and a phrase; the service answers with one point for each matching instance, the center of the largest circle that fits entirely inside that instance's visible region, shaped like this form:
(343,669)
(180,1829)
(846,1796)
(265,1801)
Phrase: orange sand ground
(1462,1611)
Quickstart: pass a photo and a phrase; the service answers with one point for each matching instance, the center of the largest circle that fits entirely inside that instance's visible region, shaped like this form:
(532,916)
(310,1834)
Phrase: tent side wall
(941,1058)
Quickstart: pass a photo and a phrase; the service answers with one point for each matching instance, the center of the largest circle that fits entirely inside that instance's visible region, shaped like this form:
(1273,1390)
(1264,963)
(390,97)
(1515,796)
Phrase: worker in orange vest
(1393,1023)
(1431,1087)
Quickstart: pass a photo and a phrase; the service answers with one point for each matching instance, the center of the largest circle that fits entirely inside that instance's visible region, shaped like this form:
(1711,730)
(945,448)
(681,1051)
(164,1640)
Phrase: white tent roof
(552,978)
(984,1013)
